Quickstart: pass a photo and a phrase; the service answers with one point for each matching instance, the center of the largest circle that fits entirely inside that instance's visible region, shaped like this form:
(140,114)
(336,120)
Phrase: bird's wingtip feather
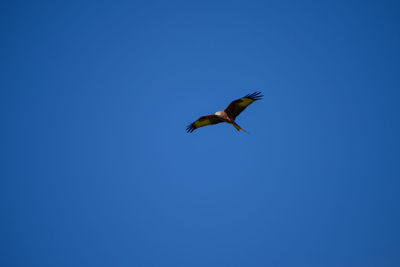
(255,96)
(190,128)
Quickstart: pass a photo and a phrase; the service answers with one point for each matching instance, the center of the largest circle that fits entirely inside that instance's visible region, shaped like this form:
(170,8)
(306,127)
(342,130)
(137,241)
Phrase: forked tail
(238,127)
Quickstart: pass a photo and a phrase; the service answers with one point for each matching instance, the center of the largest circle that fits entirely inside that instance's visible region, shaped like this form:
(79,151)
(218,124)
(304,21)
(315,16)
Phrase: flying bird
(228,115)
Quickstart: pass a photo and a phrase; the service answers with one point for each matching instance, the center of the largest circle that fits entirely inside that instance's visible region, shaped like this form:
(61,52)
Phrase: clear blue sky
(97,169)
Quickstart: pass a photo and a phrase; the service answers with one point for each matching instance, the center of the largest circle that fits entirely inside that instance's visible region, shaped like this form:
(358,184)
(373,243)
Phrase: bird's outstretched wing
(204,121)
(237,106)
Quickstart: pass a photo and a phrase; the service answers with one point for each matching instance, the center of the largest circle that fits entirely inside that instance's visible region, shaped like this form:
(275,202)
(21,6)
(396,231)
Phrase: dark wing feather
(204,121)
(237,106)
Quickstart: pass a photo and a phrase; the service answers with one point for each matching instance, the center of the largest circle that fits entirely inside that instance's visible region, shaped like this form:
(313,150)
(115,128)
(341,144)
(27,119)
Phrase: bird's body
(224,116)
(228,115)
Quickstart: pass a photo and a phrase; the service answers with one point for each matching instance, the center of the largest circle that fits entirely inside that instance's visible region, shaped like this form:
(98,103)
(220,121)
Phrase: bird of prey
(228,115)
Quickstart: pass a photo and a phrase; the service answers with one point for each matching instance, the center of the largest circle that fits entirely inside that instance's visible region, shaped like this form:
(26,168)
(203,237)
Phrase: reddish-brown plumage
(228,115)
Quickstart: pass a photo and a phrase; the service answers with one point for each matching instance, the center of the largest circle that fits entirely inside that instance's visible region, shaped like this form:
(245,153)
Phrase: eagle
(228,115)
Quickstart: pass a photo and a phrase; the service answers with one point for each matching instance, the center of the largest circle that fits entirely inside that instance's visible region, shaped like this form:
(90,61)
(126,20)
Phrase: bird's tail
(238,127)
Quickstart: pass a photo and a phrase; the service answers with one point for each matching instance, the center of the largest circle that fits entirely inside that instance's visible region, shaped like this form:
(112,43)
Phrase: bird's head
(218,113)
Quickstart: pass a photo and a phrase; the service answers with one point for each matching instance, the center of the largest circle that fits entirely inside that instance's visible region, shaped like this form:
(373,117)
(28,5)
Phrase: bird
(228,115)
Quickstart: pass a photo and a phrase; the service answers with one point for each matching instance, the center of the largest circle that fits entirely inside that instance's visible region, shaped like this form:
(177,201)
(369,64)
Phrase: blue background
(97,169)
